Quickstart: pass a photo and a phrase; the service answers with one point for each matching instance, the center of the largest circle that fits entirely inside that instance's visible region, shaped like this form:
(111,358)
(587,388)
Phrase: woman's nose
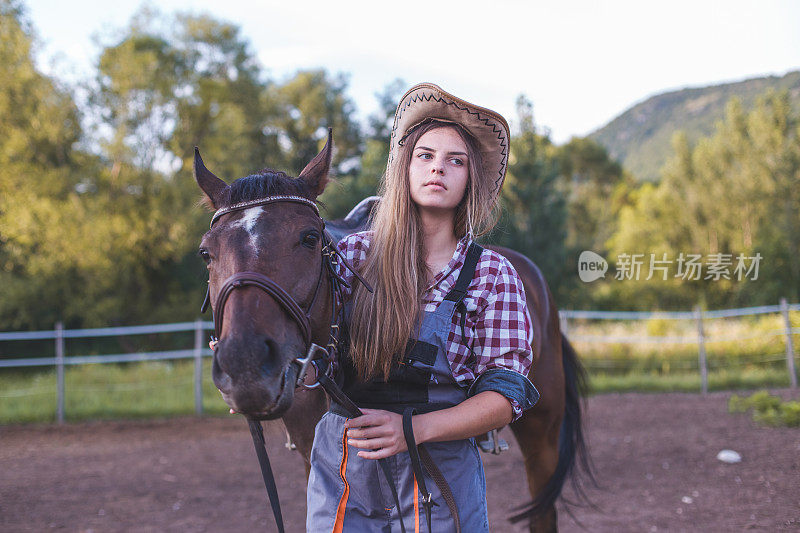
(437,168)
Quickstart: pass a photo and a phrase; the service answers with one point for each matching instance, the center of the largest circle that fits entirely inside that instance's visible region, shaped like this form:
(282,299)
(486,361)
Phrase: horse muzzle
(250,381)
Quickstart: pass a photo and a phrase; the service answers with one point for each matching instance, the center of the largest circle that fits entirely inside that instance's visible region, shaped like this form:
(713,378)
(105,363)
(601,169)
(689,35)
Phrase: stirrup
(492,443)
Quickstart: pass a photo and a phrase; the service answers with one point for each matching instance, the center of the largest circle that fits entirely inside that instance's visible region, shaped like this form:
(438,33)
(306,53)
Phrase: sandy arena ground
(655,457)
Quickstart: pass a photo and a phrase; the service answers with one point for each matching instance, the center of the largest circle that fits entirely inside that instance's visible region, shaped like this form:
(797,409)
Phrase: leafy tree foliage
(349,189)
(534,210)
(595,187)
(735,192)
(38,174)
(98,211)
(109,237)
(307,105)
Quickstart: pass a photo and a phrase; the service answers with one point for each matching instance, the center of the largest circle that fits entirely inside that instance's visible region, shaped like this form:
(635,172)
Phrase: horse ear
(316,172)
(212,186)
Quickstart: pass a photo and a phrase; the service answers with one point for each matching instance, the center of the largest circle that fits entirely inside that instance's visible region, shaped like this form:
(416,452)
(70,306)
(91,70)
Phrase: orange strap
(339,524)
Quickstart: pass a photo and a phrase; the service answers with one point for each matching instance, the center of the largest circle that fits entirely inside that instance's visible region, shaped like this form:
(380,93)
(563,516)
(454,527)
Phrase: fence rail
(60,361)
(698,316)
(674,315)
(105,332)
(199,327)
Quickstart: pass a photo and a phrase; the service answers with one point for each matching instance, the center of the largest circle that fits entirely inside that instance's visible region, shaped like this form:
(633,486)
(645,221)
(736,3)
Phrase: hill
(640,138)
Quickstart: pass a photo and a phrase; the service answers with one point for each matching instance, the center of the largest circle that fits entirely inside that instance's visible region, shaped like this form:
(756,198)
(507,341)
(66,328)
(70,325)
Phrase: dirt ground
(655,457)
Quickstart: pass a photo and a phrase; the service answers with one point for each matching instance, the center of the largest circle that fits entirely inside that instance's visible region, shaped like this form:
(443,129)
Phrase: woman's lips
(435,184)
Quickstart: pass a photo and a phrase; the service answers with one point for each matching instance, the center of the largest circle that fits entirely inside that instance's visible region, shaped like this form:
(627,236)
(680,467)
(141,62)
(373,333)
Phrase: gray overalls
(349,493)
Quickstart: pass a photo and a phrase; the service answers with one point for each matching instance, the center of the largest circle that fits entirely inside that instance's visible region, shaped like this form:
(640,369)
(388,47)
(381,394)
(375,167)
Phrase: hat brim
(429,101)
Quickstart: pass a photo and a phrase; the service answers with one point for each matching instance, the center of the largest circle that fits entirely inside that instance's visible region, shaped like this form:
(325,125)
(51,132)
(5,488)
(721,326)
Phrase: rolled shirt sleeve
(502,342)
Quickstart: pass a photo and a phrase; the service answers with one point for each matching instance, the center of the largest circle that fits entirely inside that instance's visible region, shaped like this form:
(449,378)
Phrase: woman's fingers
(366,420)
(369,432)
(376,454)
(371,444)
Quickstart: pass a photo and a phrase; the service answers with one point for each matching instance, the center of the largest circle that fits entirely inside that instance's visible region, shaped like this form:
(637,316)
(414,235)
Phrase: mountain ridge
(640,137)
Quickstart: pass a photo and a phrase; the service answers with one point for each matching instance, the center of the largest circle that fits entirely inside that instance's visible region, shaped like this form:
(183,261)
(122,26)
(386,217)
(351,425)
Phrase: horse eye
(203,253)
(310,240)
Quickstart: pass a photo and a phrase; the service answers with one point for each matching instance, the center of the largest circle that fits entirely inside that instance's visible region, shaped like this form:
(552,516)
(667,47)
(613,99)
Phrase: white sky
(581,62)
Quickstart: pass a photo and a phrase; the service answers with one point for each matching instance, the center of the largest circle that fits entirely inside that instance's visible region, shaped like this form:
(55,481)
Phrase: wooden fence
(59,335)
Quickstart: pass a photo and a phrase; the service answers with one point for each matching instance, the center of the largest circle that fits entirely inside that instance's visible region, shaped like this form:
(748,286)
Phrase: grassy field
(661,355)
(107,391)
(743,354)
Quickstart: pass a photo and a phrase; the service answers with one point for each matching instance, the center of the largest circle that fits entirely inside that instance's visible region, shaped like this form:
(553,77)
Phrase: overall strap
(459,290)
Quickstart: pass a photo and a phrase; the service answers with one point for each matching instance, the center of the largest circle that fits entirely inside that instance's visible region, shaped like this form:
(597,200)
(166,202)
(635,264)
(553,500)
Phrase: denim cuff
(509,383)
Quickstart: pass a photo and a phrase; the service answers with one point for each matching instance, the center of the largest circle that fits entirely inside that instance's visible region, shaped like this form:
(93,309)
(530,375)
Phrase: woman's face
(439,170)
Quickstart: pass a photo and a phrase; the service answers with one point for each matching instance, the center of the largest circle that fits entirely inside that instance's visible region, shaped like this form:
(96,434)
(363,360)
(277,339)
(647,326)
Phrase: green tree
(534,219)
(735,192)
(39,178)
(595,188)
(349,189)
(169,83)
(306,105)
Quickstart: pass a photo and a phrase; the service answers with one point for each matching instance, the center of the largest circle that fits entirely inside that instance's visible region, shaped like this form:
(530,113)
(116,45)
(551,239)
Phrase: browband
(262,201)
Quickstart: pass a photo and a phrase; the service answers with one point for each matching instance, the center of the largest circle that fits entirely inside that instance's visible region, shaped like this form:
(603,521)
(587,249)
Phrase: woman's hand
(379,432)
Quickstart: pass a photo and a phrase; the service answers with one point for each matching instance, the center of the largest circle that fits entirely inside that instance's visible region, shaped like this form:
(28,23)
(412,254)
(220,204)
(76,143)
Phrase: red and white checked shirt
(498,325)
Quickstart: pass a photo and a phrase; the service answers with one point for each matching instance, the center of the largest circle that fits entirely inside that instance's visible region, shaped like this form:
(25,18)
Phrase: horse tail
(572,449)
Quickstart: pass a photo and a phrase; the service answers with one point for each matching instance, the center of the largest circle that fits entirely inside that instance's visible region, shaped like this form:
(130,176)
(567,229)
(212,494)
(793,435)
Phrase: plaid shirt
(498,326)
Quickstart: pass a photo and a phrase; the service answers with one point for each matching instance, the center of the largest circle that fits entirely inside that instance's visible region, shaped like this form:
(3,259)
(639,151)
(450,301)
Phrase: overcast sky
(581,62)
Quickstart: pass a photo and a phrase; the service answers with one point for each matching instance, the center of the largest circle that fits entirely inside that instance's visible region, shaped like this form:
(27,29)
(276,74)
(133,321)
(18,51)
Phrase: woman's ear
(316,172)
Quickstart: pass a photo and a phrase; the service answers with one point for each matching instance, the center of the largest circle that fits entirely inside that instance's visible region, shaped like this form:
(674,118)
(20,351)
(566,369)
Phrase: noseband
(260,281)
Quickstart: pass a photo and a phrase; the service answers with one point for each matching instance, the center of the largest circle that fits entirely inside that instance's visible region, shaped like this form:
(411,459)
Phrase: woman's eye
(425,155)
(310,240)
(457,161)
(204,255)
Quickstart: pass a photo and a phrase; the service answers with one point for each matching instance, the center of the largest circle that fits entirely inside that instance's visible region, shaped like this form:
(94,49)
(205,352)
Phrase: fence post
(789,344)
(198,367)
(701,345)
(564,324)
(60,372)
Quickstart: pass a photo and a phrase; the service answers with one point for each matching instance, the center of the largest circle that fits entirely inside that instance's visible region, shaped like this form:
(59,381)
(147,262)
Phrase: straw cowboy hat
(427,101)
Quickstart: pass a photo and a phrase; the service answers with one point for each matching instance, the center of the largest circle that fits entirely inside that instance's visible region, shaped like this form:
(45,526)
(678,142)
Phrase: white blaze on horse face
(248,223)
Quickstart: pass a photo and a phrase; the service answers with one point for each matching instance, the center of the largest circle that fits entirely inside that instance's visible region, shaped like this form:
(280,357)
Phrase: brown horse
(259,340)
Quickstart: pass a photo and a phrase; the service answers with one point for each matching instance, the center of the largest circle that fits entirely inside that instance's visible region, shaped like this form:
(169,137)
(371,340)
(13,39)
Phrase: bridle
(314,353)
(301,317)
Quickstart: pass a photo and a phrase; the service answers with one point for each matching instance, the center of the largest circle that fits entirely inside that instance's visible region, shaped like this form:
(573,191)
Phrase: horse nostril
(268,361)
(221,378)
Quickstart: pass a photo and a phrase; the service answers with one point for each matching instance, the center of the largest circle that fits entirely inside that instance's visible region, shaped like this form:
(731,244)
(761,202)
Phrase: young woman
(440,352)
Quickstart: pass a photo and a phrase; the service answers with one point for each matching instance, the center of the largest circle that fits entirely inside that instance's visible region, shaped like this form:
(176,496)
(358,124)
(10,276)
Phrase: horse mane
(267,182)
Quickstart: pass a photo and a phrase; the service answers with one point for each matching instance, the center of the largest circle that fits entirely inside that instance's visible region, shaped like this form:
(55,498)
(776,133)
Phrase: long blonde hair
(382,323)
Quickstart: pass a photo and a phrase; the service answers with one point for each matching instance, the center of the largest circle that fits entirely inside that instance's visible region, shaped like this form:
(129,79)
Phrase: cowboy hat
(426,101)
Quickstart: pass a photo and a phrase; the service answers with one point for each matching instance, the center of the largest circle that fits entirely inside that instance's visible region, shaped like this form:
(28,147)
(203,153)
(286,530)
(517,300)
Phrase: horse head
(275,246)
